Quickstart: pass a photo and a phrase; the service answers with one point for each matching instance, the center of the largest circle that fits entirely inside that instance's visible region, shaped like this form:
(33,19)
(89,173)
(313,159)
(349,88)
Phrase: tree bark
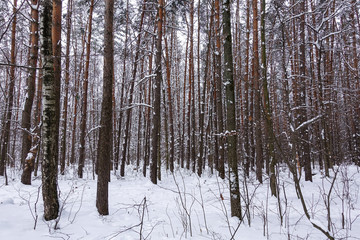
(105,149)
(257,101)
(66,96)
(50,127)
(10,99)
(304,148)
(170,103)
(26,114)
(269,130)
(230,114)
(155,133)
(219,92)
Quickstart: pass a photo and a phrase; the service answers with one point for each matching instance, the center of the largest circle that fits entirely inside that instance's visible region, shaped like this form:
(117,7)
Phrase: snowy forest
(180,119)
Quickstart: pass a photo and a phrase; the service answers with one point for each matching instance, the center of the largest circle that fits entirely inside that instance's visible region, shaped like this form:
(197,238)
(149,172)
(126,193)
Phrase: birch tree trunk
(49,129)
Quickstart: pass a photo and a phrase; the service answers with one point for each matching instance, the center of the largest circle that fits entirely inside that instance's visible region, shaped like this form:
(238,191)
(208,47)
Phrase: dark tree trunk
(257,101)
(304,148)
(10,100)
(26,114)
(155,134)
(219,104)
(104,148)
(230,114)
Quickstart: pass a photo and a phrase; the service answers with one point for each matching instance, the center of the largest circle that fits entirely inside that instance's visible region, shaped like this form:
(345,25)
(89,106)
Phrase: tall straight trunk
(85,96)
(26,114)
(166,133)
(50,130)
(148,111)
(191,158)
(219,104)
(104,148)
(188,115)
(155,133)
(170,102)
(257,101)
(182,148)
(230,114)
(139,150)
(246,93)
(10,99)
(131,93)
(66,96)
(304,148)
(56,46)
(201,99)
(269,130)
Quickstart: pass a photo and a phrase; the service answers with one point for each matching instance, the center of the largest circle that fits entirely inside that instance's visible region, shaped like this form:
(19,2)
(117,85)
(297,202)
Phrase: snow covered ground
(183,206)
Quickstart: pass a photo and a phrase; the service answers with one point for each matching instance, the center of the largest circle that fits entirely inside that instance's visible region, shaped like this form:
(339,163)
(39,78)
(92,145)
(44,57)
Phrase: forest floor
(183,206)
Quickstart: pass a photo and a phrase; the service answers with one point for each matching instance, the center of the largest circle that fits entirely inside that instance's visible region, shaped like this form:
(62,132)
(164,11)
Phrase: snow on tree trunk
(49,129)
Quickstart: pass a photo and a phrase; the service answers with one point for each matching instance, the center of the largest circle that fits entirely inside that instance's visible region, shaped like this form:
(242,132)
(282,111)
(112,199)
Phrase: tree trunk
(26,114)
(230,114)
(304,148)
(269,130)
(257,101)
(66,96)
(170,103)
(219,97)
(155,133)
(246,93)
(50,127)
(10,100)
(105,149)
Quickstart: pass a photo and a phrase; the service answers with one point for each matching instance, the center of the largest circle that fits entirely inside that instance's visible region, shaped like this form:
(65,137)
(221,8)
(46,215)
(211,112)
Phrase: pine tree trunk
(26,114)
(155,133)
(219,92)
(304,150)
(104,148)
(10,100)
(246,93)
(230,114)
(257,101)
(170,103)
(66,96)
